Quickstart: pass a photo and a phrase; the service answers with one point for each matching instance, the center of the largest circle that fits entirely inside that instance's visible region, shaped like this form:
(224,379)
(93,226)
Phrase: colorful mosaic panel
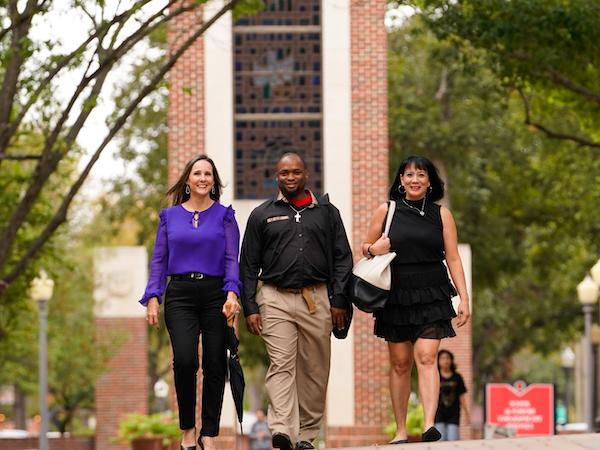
(277,73)
(259,145)
(285,12)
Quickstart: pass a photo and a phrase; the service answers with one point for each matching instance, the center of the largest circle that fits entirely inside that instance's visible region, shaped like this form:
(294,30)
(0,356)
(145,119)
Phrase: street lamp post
(595,272)
(41,292)
(568,362)
(587,291)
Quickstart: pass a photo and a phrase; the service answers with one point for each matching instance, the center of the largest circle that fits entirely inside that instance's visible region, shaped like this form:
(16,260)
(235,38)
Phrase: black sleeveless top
(419,304)
(416,238)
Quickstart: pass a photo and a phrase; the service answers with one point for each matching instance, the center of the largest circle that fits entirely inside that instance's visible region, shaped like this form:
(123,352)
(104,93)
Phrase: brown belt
(307,294)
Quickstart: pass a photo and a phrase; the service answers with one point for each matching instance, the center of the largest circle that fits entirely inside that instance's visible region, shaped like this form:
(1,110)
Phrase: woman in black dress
(419,309)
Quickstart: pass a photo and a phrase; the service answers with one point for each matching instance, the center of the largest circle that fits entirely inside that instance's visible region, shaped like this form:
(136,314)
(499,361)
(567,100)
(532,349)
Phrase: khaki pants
(299,347)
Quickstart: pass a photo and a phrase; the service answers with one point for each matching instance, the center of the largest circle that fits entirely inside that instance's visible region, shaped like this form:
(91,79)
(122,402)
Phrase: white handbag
(372,277)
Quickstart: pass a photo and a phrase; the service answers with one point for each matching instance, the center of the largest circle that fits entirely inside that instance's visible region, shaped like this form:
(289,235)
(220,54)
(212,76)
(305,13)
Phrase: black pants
(193,307)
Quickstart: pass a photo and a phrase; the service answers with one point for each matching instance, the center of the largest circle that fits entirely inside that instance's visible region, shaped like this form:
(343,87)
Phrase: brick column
(186,95)
(370,182)
(123,388)
(120,275)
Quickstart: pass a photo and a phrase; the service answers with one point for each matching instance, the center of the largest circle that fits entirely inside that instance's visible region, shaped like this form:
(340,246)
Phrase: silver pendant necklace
(420,211)
(297,216)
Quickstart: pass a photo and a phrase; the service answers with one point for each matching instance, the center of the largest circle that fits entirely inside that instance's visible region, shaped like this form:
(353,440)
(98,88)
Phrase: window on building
(277,92)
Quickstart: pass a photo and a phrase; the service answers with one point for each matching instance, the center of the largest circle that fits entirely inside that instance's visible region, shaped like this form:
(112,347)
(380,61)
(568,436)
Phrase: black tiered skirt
(419,305)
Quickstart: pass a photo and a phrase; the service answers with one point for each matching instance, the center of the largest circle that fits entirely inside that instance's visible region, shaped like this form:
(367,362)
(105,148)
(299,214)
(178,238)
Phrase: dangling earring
(401,190)
(212,191)
(187,189)
(430,190)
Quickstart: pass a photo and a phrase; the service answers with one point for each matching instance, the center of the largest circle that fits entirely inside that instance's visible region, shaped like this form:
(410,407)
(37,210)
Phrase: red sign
(527,409)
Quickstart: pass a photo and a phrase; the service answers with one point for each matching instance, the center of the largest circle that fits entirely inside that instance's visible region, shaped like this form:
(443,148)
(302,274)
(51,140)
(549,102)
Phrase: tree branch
(50,157)
(110,59)
(7,130)
(61,214)
(14,64)
(29,12)
(562,80)
(553,134)
(144,30)
(4,157)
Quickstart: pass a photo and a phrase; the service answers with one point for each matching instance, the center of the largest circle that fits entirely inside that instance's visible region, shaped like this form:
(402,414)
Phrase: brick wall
(66,443)
(186,96)
(123,387)
(370,169)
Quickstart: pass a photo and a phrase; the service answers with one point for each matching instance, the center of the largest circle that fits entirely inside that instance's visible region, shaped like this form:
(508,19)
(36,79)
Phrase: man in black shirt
(294,248)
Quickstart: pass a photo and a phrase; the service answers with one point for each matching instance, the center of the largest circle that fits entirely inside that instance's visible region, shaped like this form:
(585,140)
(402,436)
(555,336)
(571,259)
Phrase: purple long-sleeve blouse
(211,249)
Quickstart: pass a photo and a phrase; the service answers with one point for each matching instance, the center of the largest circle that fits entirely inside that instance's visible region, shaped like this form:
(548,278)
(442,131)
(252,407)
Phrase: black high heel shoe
(200,443)
(431,435)
(193,447)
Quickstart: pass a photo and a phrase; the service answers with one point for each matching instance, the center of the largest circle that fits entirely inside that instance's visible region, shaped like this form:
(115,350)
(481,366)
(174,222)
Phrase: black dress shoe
(431,435)
(398,441)
(282,441)
(304,445)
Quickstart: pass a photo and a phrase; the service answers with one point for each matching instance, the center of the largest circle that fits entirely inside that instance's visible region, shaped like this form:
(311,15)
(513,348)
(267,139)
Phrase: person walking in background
(290,244)
(260,436)
(452,398)
(197,247)
(419,308)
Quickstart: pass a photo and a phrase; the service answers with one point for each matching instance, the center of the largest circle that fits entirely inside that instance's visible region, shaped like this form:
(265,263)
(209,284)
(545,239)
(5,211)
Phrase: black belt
(192,276)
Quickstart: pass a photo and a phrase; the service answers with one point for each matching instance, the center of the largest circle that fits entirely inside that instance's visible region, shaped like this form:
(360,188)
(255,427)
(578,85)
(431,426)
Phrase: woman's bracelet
(369,254)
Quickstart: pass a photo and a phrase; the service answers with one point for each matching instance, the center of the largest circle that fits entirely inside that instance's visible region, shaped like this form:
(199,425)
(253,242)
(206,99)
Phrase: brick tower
(306,75)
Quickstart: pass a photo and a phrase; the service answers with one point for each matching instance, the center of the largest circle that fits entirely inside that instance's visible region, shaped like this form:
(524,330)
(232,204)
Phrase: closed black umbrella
(236,374)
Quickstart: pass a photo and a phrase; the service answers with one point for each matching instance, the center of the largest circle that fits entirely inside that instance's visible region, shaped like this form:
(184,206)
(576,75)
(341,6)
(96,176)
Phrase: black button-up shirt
(290,253)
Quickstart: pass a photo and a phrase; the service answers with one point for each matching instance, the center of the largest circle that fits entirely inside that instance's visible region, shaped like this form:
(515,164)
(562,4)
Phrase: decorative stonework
(120,275)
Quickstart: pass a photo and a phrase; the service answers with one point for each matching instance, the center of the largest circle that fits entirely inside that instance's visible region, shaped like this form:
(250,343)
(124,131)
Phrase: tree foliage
(75,358)
(544,49)
(524,202)
(29,74)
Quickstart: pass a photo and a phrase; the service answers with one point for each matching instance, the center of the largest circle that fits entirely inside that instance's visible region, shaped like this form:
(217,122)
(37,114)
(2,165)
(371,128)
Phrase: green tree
(544,49)
(18,314)
(523,202)
(28,75)
(76,356)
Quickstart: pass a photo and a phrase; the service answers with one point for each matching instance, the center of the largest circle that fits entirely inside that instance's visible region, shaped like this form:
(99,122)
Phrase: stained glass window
(277,92)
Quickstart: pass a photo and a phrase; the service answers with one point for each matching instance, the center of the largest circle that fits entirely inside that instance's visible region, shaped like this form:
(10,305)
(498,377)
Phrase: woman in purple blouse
(197,246)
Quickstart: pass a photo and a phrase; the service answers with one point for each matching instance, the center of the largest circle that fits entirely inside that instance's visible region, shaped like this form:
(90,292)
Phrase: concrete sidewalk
(564,442)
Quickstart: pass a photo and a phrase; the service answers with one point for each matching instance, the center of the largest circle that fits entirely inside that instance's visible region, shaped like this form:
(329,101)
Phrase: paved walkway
(564,442)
